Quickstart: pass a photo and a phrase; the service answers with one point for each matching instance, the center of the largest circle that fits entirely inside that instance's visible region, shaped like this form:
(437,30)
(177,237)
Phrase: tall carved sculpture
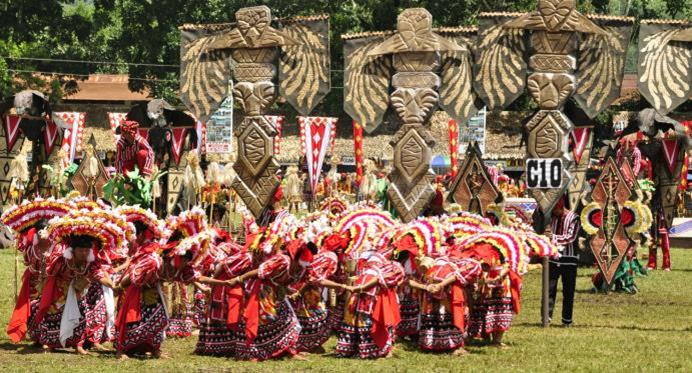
(425,68)
(570,55)
(473,187)
(665,80)
(255,54)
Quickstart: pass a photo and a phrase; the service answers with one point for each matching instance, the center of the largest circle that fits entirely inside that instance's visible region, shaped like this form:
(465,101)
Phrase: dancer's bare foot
(299,357)
(160,355)
(46,349)
(390,354)
(500,345)
(81,351)
(99,347)
(121,356)
(460,352)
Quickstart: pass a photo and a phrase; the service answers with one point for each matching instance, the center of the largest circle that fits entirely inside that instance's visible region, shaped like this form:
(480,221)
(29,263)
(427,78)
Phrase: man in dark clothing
(564,229)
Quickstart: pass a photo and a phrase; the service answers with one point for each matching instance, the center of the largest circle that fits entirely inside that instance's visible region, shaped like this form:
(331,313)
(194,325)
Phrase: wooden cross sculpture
(425,68)
(254,52)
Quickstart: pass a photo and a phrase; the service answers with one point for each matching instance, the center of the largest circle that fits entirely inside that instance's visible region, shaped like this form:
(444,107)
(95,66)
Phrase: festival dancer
(564,229)
(29,220)
(659,237)
(443,302)
(372,310)
(133,150)
(143,319)
(269,327)
(66,310)
(306,297)
(409,298)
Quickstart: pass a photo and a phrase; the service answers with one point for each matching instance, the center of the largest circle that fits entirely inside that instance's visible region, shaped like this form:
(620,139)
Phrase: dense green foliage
(121,34)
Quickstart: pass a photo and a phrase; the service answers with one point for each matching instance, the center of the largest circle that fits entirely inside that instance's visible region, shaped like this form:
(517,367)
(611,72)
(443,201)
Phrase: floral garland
(109,235)
(334,206)
(28,213)
(642,218)
(109,216)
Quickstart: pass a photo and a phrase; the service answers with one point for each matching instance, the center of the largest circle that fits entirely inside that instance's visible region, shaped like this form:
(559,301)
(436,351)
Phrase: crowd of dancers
(97,274)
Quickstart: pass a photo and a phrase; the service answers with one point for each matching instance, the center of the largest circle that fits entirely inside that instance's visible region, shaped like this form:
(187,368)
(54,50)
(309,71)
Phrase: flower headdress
(110,236)
(188,223)
(28,213)
(137,214)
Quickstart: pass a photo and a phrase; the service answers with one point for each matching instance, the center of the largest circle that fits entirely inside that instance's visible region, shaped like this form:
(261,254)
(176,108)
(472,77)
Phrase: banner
(177,142)
(358,150)
(453,135)
(50,134)
(219,129)
(11,130)
(580,138)
(671,149)
(277,121)
(318,133)
(72,138)
(115,119)
(473,131)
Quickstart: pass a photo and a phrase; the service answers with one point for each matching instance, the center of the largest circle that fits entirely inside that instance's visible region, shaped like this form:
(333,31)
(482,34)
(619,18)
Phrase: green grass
(616,332)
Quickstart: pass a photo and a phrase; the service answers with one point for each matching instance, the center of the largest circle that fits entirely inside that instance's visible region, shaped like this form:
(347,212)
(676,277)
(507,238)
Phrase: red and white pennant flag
(278,122)
(11,127)
(50,134)
(318,134)
(671,148)
(178,140)
(72,139)
(580,138)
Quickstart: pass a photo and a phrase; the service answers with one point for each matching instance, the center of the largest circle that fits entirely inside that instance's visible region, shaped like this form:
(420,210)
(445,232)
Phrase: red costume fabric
(136,153)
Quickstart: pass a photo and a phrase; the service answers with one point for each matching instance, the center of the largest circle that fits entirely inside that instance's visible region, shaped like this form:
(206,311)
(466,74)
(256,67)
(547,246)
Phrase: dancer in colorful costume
(133,150)
(29,220)
(68,314)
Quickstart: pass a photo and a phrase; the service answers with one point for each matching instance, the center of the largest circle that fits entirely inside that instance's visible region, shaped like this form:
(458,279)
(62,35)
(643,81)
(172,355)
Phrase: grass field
(649,331)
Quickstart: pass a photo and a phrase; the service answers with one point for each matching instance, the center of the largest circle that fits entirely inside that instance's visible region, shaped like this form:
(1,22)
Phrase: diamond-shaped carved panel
(255,147)
(412,155)
(548,132)
(472,188)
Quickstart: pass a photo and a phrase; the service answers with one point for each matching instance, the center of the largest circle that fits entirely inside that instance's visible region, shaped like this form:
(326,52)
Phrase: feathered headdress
(110,237)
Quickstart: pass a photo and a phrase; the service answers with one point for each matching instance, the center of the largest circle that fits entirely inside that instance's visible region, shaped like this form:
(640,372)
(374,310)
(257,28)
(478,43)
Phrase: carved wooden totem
(473,188)
(425,68)
(296,53)
(572,56)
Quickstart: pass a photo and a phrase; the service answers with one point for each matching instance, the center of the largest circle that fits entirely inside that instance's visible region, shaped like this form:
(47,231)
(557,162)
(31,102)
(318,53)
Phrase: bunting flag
(358,150)
(278,122)
(72,139)
(201,129)
(115,119)
(580,139)
(332,123)
(11,130)
(318,133)
(453,130)
(671,149)
(178,140)
(50,134)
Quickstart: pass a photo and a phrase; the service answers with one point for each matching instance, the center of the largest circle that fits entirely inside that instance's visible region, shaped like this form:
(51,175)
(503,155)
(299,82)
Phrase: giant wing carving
(304,70)
(665,63)
(366,82)
(457,96)
(601,64)
(204,72)
(500,69)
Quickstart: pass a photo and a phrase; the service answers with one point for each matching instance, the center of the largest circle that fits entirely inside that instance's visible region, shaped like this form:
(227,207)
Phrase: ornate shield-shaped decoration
(610,243)
(6,157)
(174,184)
(472,188)
(90,185)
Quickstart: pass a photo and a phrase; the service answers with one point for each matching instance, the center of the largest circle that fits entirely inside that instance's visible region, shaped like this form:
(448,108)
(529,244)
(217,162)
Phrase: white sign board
(474,130)
(220,128)
(543,173)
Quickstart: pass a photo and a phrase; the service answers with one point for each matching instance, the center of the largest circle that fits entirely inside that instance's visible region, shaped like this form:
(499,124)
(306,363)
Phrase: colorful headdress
(137,214)
(110,236)
(188,223)
(129,126)
(198,245)
(27,214)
